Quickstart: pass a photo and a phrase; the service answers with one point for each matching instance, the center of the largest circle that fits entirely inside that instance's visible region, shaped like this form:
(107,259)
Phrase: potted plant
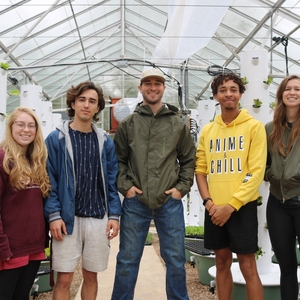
(259,253)
(257,103)
(272,105)
(245,80)
(259,200)
(269,80)
(4,65)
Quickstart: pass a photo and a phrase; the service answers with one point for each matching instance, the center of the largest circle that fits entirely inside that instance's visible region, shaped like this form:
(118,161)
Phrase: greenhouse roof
(59,43)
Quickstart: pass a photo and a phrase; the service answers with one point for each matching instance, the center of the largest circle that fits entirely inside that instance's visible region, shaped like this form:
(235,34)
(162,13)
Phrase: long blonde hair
(15,163)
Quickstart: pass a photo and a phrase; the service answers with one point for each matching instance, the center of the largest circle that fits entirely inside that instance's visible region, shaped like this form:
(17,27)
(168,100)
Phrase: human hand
(132,192)
(220,214)
(57,228)
(174,193)
(112,229)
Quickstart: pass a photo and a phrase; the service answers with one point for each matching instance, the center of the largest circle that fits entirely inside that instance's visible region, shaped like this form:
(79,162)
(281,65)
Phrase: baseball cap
(152,72)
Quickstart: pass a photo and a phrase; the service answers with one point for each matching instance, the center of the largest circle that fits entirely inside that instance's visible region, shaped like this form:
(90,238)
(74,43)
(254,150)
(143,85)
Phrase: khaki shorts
(88,240)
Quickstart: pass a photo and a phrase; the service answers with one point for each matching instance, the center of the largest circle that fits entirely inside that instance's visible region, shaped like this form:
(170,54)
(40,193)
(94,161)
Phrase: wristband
(205,200)
(210,207)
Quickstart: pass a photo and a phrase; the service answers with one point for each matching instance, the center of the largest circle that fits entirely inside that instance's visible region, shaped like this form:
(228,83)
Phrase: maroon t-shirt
(22,223)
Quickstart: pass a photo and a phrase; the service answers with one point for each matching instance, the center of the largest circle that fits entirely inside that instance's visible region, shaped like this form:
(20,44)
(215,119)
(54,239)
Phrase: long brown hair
(15,163)
(279,121)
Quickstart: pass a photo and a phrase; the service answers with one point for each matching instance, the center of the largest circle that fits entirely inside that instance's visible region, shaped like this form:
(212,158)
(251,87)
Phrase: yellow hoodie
(233,157)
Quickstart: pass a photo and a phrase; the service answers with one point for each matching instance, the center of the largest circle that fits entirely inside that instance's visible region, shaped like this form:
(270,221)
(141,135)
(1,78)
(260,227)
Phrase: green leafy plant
(4,65)
(239,105)
(272,105)
(194,231)
(259,200)
(259,253)
(47,252)
(149,239)
(257,103)
(14,93)
(244,80)
(269,80)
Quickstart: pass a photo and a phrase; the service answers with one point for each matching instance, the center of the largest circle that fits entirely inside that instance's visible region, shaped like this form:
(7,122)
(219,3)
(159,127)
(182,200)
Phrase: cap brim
(153,76)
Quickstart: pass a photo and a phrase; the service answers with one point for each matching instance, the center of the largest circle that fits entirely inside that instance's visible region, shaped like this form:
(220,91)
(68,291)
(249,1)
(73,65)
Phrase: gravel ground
(74,286)
(196,290)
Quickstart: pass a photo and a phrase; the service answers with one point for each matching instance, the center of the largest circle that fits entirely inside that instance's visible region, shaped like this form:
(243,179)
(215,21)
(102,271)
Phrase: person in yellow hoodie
(230,166)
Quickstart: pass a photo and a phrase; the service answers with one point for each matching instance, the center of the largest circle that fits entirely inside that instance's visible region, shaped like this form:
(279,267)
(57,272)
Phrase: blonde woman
(23,185)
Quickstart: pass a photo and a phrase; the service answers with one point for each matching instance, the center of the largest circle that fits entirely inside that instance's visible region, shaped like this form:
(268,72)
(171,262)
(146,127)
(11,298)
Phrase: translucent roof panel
(58,43)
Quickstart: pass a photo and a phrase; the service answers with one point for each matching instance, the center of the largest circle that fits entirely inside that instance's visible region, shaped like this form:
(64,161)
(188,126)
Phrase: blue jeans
(134,226)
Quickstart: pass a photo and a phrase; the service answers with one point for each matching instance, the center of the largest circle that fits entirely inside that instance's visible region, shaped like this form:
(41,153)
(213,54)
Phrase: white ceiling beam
(30,29)
(122,15)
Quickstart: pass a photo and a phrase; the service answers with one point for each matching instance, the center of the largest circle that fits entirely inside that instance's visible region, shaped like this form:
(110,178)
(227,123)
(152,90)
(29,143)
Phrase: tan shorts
(88,240)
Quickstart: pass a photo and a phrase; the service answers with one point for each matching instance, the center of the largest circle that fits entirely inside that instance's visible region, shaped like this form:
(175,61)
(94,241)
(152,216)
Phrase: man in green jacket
(156,156)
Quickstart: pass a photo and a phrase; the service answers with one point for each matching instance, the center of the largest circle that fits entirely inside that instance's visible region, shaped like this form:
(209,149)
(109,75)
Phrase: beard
(151,101)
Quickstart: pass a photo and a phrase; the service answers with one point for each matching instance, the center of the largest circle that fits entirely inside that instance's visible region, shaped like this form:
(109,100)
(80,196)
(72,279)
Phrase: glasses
(22,125)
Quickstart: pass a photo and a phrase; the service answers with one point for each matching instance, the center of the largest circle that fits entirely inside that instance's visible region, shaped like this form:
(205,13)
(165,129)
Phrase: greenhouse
(55,44)
(49,46)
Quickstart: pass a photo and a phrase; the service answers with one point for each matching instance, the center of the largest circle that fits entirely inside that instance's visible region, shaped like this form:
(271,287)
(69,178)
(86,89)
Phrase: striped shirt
(89,197)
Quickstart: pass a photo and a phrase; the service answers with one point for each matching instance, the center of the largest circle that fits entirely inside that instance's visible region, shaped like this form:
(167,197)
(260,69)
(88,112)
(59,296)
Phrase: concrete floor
(151,281)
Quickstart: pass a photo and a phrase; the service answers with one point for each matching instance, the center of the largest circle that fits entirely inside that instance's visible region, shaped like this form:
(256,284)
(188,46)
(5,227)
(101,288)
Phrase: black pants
(284,227)
(15,284)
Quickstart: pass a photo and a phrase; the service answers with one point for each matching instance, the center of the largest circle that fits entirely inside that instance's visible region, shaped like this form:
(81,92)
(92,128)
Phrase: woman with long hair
(24,183)
(283,173)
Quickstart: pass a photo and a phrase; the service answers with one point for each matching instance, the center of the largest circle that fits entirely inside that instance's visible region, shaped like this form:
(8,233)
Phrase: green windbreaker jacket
(283,172)
(155,153)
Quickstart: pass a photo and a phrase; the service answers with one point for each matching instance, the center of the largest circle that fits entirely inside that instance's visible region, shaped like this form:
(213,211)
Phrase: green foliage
(47,252)
(4,65)
(257,103)
(272,105)
(244,80)
(149,238)
(269,80)
(194,230)
(259,253)
(14,93)
(239,105)
(259,200)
